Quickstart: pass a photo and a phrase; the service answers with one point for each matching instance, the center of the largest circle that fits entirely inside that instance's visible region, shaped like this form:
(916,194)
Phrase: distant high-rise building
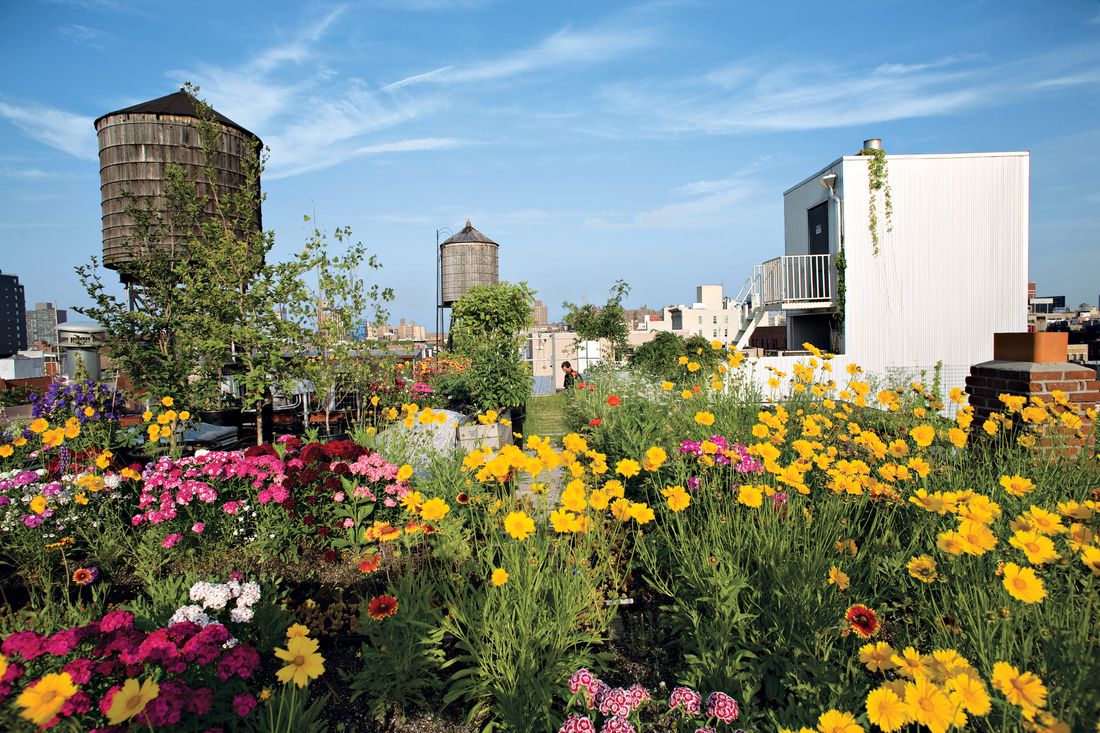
(13,325)
(539,314)
(42,323)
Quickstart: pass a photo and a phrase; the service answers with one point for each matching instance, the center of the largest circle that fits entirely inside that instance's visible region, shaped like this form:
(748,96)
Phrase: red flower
(591,388)
(594,422)
(862,620)
(463,498)
(382,607)
(614,400)
(370,563)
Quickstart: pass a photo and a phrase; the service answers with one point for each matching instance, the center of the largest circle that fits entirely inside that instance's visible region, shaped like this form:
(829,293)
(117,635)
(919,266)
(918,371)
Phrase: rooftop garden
(829,555)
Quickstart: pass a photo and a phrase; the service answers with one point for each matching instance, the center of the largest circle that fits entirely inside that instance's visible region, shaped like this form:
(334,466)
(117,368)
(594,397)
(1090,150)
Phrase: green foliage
(593,323)
(878,180)
(488,322)
(517,643)
(403,654)
(343,301)
(495,314)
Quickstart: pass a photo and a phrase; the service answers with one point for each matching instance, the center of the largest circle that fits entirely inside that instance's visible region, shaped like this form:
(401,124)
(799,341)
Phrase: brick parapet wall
(989,380)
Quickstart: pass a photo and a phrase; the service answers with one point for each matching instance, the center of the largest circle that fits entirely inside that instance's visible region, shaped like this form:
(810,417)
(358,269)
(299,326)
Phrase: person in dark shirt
(571,375)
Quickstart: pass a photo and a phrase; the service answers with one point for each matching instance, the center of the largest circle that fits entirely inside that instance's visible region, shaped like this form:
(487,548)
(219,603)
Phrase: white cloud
(319,160)
(566,47)
(415,79)
(86,36)
(25,174)
(64,131)
(758,96)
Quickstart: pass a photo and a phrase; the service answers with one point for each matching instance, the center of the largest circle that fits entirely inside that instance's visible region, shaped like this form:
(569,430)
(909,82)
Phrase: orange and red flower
(370,563)
(382,607)
(862,620)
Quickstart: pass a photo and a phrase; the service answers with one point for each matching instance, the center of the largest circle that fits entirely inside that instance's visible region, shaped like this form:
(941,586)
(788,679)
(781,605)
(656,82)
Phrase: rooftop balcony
(795,282)
(805,283)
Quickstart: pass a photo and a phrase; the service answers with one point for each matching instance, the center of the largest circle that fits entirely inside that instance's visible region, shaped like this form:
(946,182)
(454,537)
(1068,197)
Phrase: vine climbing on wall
(878,181)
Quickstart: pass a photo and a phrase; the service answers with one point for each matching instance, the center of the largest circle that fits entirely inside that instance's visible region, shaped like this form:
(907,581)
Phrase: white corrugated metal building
(951,273)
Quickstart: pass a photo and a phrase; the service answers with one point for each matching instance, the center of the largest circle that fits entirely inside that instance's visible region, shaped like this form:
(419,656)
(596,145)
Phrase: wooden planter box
(1039,348)
(475,435)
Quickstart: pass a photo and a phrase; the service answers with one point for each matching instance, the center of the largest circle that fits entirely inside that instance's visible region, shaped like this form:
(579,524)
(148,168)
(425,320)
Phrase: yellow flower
(1090,556)
(923,435)
(969,693)
(667,386)
(641,513)
(6,451)
(434,509)
(518,525)
(620,509)
(751,496)
(627,468)
(877,656)
(43,701)
(704,418)
(38,504)
(184,415)
(990,427)
(923,568)
(886,710)
(929,705)
(39,425)
(654,457)
(911,663)
(147,416)
(957,437)
(500,577)
(1039,549)
(1017,485)
(297,630)
(80,498)
(304,663)
(562,520)
(131,700)
(678,499)
(1022,584)
(1023,690)
(834,721)
(404,473)
(412,501)
(839,578)
(154,433)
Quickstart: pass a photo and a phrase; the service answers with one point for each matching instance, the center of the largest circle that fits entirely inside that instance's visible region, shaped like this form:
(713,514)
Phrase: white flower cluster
(216,597)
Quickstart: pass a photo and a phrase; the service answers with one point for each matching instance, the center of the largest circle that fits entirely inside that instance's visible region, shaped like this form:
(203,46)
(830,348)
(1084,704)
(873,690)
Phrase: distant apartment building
(13,325)
(539,314)
(42,324)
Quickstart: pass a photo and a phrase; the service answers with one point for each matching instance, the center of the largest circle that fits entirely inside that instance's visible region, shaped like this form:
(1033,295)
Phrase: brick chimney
(1035,365)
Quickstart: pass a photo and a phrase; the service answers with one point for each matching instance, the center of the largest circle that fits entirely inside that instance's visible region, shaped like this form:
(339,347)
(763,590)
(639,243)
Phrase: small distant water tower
(135,146)
(79,344)
(467,259)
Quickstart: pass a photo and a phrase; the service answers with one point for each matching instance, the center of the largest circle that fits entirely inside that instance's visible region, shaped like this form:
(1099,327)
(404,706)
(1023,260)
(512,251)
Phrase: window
(700,321)
(715,319)
(716,333)
(726,334)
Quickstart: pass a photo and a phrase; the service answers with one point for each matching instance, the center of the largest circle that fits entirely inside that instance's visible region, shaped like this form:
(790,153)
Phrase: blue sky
(595,141)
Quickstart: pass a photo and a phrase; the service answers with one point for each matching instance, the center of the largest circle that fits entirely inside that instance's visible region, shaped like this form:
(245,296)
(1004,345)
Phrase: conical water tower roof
(177,104)
(469,235)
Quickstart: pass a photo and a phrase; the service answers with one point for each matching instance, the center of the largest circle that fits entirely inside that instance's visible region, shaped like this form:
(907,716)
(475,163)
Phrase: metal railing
(796,279)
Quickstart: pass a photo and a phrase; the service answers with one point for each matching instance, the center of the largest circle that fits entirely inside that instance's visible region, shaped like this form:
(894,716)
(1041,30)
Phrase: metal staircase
(787,283)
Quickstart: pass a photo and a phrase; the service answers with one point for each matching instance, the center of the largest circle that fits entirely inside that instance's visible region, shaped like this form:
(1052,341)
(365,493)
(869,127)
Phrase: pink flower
(171,540)
(198,527)
(577,724)
(722,706)
(244,703)
(338,497)
(616,724)
(687,699)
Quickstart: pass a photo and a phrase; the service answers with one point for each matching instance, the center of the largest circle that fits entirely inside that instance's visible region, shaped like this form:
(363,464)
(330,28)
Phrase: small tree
(344,300)
(489,321)
(608,322)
